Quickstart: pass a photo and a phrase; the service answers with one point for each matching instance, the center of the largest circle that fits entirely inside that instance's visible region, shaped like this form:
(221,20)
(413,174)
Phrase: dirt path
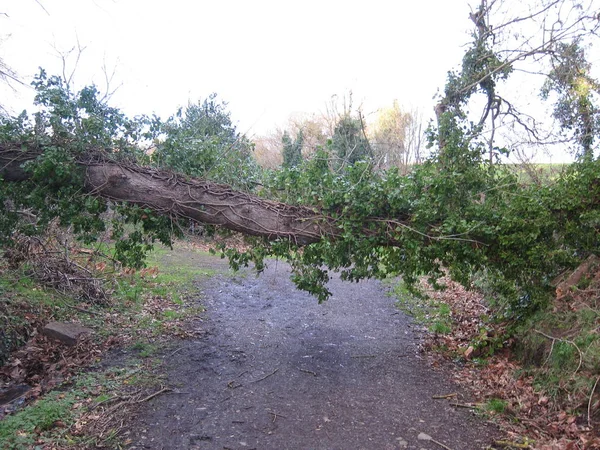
(278,371)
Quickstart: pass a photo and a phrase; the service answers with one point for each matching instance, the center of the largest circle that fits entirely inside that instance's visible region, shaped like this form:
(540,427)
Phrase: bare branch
(42,6)
(64,57)
(108,93)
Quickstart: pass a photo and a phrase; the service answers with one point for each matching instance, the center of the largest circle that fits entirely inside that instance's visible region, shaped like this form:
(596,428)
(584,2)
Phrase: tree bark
(199,200)
(206,202)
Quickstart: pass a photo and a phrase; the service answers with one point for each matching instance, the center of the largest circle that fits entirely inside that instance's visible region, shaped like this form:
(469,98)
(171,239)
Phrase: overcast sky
(267,59)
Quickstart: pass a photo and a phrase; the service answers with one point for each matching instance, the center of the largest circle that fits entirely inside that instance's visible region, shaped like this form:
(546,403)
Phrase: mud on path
(275,370)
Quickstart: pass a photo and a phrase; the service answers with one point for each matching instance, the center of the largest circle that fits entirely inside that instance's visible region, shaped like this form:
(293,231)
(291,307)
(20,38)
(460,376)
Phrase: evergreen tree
(349,142)
(202,141)
(292,150)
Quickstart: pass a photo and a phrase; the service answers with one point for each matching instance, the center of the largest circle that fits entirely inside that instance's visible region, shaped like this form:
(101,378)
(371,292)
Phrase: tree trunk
(206,202)
(199,200)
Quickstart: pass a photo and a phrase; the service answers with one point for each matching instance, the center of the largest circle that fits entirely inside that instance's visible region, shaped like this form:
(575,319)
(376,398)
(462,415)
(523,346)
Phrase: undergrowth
(539,375)
(434,315)
(145,306)
(560,349)
(48,416)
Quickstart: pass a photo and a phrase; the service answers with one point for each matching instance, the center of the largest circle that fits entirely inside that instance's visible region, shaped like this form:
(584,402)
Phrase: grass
(561,350)
(145,349)
(37,421)
(496,406)
(145,306)
(50,418)
(434,315)
(21,300)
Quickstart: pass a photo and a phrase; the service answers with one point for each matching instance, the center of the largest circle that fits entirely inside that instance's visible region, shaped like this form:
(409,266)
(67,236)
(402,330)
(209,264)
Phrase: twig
(568,342)
(173,353)
(426,437)
(464,405)
(124,400)
(549,353)
(77,308)
(363,356)
(437,397)
(266,376)
(308,371)
(440,444)
(151,396)
(275,416)
(589,416)
(511,444)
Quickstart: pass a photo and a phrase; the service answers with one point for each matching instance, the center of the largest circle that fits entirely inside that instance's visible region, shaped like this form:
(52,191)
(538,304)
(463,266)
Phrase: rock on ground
(67,333)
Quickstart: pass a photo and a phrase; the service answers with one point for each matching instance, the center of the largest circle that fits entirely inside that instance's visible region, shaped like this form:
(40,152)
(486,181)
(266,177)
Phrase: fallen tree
(180,196)
(457,211)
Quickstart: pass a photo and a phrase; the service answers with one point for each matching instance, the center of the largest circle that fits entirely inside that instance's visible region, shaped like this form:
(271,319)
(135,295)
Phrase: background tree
(292,149)
(396,138)
(349,142)
(267,150)
(202,141)
(8,76)
(575,109)
(507,63)
(315,134)
(314,131)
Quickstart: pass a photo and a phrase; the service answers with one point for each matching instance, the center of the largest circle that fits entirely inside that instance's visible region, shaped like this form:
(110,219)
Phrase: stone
(424,437)
(469,351)
(67,333)
(401,443)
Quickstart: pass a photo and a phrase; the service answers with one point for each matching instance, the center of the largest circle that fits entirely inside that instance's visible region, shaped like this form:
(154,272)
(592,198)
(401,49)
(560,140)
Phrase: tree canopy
(292,149)
(200,140)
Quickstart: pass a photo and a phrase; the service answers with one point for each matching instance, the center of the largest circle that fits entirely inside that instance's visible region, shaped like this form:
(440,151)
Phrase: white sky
(267,59)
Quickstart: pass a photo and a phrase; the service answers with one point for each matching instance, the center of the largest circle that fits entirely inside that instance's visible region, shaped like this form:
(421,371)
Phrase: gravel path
(276,370)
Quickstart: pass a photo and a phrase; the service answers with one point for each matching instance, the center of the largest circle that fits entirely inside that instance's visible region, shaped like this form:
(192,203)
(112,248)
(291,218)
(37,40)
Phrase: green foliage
(24,428)
(52,193)
(74,127)
(292,150)
(202,141)
(349,142)
(456,211)
(496,405)
(575,110)
(135,230)
(80,122)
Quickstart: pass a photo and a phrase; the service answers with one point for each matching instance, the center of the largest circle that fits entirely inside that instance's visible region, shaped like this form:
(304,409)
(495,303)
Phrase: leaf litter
(530,417)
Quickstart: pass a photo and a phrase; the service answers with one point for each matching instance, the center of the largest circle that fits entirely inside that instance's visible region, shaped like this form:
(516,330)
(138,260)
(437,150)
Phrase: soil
(276,370)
